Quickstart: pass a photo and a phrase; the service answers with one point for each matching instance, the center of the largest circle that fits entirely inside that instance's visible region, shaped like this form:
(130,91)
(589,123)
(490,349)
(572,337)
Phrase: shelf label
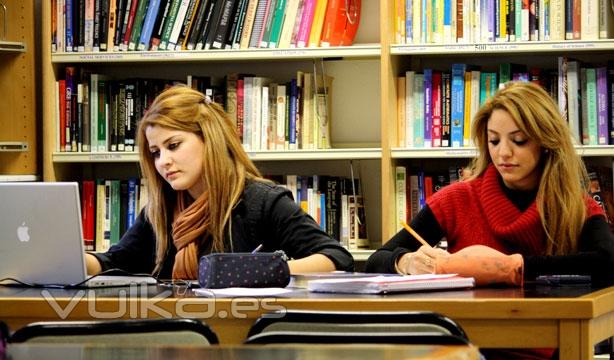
(105,156)
(573,45)
(289,52)
(461,152)
(101,56)
(495,47)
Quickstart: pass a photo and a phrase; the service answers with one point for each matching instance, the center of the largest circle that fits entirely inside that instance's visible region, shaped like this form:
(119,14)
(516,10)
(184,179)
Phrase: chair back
(118,332)
(356,327)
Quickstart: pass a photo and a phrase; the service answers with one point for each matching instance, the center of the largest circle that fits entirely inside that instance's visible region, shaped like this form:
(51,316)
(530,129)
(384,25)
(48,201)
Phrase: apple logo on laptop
(22,233)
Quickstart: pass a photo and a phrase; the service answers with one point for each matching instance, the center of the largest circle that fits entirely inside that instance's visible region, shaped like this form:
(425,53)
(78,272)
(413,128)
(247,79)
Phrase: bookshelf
(397,58)
(18,139)
(355,128)
(364,115)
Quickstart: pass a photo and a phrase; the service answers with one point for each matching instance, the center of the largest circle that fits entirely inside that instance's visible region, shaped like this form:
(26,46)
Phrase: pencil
(415,234)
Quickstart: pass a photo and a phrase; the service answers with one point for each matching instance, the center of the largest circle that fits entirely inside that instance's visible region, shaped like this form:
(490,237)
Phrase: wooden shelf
(282,155)
(430,153)
(567,46)
(354,51)
(470,152)
(8,47)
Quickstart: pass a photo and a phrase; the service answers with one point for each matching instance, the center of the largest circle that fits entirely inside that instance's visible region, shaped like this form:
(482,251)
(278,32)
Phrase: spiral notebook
(385,284)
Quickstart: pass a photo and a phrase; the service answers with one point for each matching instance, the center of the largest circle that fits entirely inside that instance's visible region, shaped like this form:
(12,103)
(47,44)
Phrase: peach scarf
(190,224)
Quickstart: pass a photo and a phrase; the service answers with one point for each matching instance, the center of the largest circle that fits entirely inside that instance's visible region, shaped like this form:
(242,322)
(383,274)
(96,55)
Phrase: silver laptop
(41,239)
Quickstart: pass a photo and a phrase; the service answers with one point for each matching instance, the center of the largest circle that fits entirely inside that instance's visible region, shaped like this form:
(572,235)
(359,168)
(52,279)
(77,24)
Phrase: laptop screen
(41,235)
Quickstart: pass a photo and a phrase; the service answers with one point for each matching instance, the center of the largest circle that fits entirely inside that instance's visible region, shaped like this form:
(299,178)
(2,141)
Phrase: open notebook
(384,284)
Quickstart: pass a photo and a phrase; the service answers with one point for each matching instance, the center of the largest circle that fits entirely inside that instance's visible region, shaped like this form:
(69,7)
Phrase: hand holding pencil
(423,260)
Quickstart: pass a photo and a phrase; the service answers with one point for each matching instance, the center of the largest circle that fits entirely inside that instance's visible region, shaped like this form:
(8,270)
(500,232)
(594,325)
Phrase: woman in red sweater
(525,204)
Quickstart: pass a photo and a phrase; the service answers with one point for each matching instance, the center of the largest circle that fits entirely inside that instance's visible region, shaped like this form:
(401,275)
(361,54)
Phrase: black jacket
(266,214)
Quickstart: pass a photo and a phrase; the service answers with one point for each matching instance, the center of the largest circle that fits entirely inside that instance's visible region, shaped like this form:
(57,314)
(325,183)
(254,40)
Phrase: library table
(571,318)
(243,352)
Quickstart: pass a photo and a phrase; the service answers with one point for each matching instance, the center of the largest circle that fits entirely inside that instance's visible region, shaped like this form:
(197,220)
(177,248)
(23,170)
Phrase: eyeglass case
(223,270)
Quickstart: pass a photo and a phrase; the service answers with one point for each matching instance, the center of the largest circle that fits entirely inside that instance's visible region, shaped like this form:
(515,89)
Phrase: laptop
(41,238)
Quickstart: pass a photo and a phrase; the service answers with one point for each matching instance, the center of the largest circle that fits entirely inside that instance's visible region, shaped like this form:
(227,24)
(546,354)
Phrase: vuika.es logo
(134,303)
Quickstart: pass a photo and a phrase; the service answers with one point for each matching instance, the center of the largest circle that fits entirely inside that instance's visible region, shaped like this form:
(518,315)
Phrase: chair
(296,326)
(118,332)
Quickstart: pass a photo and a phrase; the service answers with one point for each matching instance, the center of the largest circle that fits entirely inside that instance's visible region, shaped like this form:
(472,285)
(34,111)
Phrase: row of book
(142,25)
(108,208)
(283,116)
(413,187)
(435,108)
(98,114)
(335,203)
(479,21)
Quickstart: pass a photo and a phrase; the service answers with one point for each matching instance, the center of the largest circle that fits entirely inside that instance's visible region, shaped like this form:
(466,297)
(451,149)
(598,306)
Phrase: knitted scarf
(190,224)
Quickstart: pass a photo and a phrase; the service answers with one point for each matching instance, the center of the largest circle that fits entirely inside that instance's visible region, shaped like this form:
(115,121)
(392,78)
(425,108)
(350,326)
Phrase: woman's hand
(422,261)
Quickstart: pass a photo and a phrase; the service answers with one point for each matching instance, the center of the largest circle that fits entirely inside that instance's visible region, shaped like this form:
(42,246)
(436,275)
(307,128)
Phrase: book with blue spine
(69,25)
(133,196)
(148,25)
(458,104)
(292,115)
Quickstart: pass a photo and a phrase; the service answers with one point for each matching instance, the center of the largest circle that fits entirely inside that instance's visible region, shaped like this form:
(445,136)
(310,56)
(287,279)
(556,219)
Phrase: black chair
(296,326)
(118,332)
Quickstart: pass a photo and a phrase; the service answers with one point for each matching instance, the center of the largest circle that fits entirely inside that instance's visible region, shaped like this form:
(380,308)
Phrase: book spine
(278,19)
(446,108)
(250,16)
(148,25)
(197,25)
(207,25)
(169,23)
(89,25)
(267,24)
(234,35)
(219,39)
(315,34)
(428,107)
(306,22)
(458,104)
(186,27)
(158,28)
(177,25)
(602,105)
(419,110)
(591,104)
(129,22)
(105,6)
(88,214)
(62,114)
(259,22)
(137,25)
(436,105)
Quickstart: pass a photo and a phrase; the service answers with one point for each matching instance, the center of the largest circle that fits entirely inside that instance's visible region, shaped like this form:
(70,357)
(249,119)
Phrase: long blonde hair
(564,182)
(226,166)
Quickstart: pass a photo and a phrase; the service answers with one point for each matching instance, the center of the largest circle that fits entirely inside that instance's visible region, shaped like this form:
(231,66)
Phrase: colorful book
(458,104)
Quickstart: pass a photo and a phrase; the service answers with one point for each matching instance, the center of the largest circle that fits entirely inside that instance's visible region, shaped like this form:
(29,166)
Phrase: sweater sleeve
(595,255)
(385,258)
(298,235)
(135,251)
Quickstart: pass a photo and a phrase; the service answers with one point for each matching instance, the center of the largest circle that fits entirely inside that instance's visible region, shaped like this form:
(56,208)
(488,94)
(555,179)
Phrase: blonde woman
(205,195)
(524,211)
